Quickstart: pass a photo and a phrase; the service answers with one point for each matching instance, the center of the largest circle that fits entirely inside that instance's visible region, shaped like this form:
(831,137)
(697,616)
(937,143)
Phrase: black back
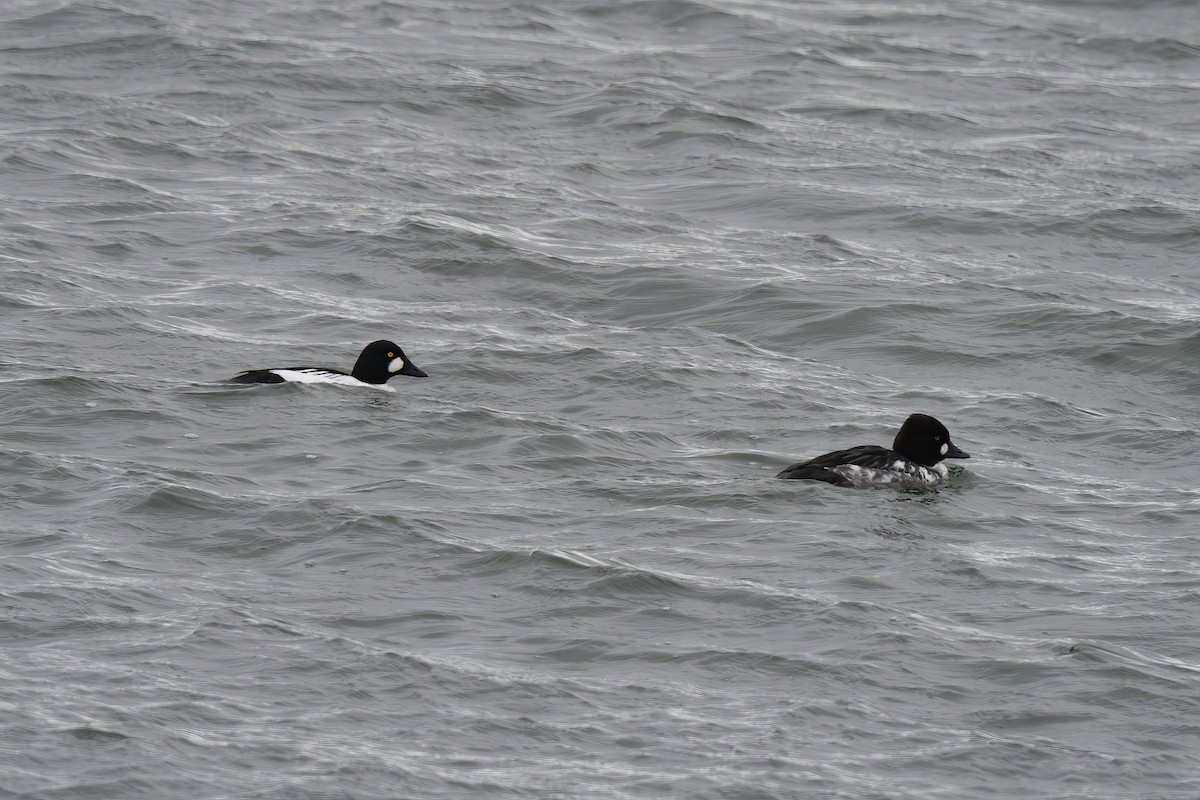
(256,376)
(868,456)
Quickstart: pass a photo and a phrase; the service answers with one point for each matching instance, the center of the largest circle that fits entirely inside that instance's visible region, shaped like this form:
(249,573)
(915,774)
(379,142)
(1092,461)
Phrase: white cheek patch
(395,365)
(945,448)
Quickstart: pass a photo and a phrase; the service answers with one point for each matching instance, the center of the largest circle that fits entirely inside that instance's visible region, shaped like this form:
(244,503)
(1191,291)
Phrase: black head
(926,441)
(380,360)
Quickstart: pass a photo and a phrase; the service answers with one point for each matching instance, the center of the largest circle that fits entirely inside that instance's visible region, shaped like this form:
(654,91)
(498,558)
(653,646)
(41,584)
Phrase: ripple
(648,252)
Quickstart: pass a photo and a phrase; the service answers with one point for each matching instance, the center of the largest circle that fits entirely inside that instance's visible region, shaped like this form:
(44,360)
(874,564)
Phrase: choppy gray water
(649,251)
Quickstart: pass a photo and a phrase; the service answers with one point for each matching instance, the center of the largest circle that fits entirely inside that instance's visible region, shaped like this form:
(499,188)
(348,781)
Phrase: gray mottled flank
(649,252)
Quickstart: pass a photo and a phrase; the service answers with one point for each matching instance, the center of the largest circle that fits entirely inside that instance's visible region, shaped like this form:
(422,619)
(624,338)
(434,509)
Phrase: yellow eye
(391,355)
(937,438)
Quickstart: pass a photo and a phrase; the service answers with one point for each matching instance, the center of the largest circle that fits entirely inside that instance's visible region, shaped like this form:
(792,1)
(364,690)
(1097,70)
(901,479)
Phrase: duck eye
(391,354)
(937,438)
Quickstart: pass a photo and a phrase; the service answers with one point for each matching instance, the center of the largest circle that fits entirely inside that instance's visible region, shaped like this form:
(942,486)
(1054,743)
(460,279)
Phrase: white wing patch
(905,473)
(317,375)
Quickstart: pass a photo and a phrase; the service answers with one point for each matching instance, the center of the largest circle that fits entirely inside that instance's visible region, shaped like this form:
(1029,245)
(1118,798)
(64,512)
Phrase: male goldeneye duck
(379,361)
(914,460)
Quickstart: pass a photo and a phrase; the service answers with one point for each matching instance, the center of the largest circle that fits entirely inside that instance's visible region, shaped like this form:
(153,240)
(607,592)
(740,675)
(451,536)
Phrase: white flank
(325,376)
(897,472)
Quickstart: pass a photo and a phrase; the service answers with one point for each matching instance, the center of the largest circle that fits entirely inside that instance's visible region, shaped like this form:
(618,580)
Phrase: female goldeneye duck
(379,362)
(914,460)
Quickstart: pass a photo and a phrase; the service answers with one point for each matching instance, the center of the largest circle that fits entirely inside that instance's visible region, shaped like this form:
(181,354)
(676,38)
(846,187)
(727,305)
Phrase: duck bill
(956,452)
(413,370)
(406,368)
